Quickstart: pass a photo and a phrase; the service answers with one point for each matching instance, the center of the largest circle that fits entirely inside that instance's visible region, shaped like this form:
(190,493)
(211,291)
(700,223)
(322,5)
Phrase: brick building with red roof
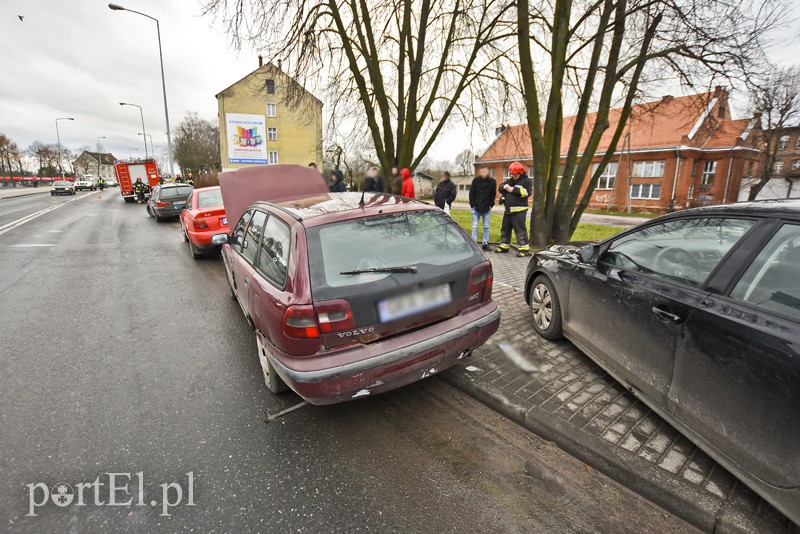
(677,152)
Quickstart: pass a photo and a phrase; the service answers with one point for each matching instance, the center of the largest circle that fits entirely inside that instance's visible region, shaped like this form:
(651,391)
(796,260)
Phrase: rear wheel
(194,251)
(274,383)
(185,235)
(545,308)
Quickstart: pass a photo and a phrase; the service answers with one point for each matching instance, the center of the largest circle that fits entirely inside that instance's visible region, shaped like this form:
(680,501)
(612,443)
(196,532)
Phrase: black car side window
(681,250)
(252,236)
(273,262)
(238,231)
(771,281)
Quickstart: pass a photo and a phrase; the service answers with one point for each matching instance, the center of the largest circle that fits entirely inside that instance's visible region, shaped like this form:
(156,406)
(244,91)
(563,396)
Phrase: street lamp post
(117,7)
(58,136)
(98,154)
(152,150)
(144,132)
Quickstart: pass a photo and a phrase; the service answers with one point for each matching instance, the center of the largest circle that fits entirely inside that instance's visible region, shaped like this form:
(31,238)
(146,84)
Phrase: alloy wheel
(542,306)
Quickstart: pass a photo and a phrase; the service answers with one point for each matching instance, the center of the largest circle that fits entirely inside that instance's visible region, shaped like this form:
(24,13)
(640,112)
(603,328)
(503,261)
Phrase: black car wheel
(194,251)
(274,383)
(545,308)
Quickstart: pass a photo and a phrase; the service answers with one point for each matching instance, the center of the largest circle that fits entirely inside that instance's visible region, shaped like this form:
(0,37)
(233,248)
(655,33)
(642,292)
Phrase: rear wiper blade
(403,269)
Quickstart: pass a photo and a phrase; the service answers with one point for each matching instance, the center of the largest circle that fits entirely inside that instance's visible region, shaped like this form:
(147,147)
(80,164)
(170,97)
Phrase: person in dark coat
(373,183)
(481,200)
(514,194)
(337,182)
(395,182)
(445,193)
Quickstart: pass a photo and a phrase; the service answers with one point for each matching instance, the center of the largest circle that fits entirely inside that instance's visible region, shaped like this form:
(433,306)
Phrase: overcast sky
(77,58)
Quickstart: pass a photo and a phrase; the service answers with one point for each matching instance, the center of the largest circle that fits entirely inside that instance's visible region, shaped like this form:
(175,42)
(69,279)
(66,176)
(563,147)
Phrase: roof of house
(670,122)
(106,158)
(266,69)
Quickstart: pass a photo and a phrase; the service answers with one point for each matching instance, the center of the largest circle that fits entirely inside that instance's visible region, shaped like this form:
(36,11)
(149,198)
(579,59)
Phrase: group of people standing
(514,192)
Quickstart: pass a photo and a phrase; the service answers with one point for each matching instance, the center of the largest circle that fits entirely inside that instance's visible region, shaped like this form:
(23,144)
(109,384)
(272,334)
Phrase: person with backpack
(482,193)
(514,194)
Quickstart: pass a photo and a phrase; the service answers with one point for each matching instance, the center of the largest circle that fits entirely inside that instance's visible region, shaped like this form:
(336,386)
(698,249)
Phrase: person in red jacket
(408,184)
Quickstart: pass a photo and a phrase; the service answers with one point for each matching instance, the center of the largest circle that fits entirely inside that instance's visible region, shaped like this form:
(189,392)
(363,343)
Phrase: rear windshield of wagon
(428,240)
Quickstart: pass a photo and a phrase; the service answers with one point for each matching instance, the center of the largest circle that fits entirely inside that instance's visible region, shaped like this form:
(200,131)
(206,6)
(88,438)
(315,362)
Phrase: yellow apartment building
(267,118)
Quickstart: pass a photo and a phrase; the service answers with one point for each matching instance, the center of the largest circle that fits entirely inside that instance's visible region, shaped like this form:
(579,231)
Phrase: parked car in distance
(167,200)
(351,295)
(698,314)
(202,217)
(62,187)
(84,183)
(111,182)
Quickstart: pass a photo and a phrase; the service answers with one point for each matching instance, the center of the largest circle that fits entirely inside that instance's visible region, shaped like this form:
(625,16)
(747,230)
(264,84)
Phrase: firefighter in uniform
(514,194)
(190,180)
(139,189)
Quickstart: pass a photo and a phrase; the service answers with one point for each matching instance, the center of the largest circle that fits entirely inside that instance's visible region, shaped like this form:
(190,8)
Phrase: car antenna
(361,202)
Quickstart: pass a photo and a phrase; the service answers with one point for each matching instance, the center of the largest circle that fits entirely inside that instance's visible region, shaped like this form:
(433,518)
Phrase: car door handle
(246,280)
(665,315)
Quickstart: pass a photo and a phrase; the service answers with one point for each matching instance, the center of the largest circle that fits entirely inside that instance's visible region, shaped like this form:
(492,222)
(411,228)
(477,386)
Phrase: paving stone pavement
(576,404)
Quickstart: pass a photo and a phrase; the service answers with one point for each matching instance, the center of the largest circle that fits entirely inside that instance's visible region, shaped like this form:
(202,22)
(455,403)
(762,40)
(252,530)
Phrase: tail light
(162,204)
(300,322)
(334,316)
(200,223)
(481,280)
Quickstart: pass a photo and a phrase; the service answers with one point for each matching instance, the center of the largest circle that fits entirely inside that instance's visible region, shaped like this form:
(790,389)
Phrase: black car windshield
(208,199)
(384,246)
(176,192)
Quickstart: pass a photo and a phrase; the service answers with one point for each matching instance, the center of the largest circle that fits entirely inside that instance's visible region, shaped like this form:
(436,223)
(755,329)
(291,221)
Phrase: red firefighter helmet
(516,168)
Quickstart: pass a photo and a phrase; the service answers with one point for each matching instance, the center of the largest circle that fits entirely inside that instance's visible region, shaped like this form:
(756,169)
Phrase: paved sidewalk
(12,192)
(575,404)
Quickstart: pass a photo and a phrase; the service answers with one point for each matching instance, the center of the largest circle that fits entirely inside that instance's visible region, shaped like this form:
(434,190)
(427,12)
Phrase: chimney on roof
(260,60)
(500,129)
(279,64)
(666,98)
(718,90)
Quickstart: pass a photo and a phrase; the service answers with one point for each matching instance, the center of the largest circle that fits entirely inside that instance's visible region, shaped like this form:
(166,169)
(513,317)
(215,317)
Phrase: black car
(697,313)
(62,187)
(168,200)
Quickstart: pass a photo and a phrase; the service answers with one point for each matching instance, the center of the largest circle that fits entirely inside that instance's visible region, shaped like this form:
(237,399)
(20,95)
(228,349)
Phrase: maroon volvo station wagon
(350,295)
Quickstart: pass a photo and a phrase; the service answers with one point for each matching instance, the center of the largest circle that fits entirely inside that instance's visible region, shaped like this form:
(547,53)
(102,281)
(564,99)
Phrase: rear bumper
(202,238)
(389,364)
(167,212)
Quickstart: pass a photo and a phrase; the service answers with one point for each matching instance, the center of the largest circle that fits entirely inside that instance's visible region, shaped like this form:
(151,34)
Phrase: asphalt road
(121,354)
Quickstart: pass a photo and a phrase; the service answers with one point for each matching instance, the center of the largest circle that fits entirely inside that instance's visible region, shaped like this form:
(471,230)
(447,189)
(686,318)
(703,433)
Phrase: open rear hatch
(380,276)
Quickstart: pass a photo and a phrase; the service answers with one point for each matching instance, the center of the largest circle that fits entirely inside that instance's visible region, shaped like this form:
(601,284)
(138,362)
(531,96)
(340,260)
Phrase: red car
(202,217)
(350,295)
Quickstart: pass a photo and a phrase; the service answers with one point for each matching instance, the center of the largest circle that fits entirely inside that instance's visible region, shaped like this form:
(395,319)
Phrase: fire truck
(128,171)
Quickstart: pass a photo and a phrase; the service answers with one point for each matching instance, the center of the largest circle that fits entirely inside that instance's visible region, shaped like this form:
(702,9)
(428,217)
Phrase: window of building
(272,110)
(506,174)
(648,169)
(273,157)
(795,164)
(691,191)
(777,167)
(783,142)
(694,167)
(750,168)
(270,86)
(646,191)
(272,133)
(709,171)
(606,180)
(797,145)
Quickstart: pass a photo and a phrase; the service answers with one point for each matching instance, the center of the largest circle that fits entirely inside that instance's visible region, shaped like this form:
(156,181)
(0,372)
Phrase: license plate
(415,302)
(224,220)
(177,204)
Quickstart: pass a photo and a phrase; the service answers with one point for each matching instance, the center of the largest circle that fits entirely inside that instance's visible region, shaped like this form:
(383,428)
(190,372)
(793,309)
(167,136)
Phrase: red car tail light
(481,280)
(200,223)
(162,204)
(300,322)
(334,316)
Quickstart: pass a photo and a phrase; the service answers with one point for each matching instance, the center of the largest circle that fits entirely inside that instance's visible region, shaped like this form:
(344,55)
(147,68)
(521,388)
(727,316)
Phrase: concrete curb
(695,506)
(25,194)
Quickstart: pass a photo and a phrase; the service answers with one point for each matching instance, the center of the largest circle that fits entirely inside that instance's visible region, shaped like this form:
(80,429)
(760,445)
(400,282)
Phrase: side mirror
(589,254)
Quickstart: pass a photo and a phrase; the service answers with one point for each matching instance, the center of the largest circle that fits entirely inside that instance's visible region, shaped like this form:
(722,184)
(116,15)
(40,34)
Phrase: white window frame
(608,179)
(271,106)
(777,167)
(795,164)
(641,188)
(272,133)
(506,173)
(648,169)
(797,144)
(783,142)
(709,172)
(691,192)
(273,157)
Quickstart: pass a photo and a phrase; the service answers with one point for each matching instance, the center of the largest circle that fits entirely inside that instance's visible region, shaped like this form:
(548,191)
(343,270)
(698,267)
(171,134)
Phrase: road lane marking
(22,220)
